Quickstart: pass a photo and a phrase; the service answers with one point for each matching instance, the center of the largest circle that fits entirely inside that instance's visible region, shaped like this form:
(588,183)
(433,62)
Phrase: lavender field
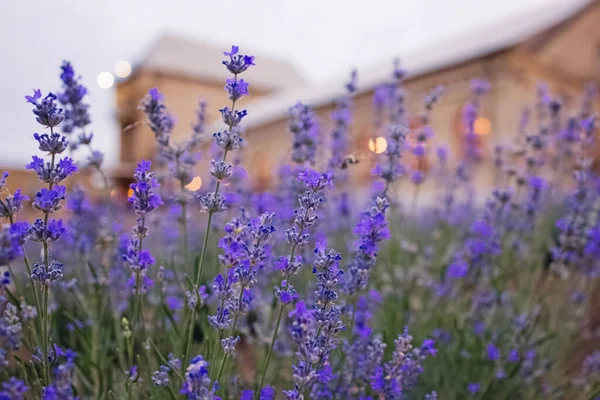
(304,291)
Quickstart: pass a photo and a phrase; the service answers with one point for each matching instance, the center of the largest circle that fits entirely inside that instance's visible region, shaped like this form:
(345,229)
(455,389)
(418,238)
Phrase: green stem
(137,299)
(45,338)
(171,393)
(213,357)
(200,271)
(235,319)
(44,315)
(266,364)
(136,306)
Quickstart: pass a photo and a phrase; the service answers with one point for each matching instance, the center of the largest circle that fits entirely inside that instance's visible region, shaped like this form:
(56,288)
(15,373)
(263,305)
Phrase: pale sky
(323,38)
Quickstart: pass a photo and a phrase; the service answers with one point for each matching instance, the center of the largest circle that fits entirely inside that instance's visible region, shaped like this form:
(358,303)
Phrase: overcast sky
(323,38)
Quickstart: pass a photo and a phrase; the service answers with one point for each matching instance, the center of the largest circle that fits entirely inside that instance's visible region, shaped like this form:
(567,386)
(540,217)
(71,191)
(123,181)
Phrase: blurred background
(304,52)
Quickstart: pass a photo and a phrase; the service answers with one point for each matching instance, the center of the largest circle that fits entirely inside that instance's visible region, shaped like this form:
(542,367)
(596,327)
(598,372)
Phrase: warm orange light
(113,193)
(482,126)
(195,184)
(377,145)
(129,192)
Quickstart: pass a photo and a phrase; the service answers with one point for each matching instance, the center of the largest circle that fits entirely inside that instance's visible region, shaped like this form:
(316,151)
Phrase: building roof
(189,58)
(454,51)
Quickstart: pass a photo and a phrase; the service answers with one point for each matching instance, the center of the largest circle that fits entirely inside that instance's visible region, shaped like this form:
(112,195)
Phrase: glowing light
(122,69)
(129,193)
(482,126)
(377,145)
(113,193)
(105,80)
(195,184)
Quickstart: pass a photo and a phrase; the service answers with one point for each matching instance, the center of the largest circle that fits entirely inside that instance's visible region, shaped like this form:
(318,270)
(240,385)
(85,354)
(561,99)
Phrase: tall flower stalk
(47,201)
(256,253)
(297,236)
(144,200)
(228,140)
(179,157)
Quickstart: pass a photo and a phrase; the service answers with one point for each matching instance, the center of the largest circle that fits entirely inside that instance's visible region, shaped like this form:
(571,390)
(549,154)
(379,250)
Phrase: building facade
(560,49)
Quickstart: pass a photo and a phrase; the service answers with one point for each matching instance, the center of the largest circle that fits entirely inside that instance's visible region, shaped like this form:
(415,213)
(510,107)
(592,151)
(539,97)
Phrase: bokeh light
(122,69)
(195,184)
(377,145)
(482,126)
(105,80)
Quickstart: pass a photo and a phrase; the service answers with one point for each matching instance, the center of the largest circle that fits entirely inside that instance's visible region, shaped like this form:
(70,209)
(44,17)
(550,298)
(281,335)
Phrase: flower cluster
(230,139)
(304,127)
(144,200)
(371,230)
(469,278)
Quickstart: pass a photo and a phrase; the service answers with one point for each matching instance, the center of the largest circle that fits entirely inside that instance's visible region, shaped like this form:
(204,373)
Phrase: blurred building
(187,72)
(560,47)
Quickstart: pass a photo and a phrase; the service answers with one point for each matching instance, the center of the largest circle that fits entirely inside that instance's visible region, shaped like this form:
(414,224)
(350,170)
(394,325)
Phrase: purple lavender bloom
(46,233)
(3,179)
(229,344)
(13,389)
(473,387)
(306,215)
(228,140)
(220,169)
(159,120)
(342,119)
(76,111)
(47,112)
(303,332)
(237,63)
(212,203)
(48,200)
(232,117)
(161,377)
(400,374)
(49,173)
(10,327)
(236,88)
(391,169)
(144,198)
(303,125)
(12,204)
(371,229)
(95,159)
(200,123)
(61,387)
(197,384)
(46,276)
(493,352)
(54,143)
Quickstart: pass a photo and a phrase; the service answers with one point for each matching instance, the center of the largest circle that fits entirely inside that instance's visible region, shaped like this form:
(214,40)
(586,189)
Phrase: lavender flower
(371,229)
(54,143)
(13,389)
(197,384)
(61,387)
(304,128)
(52,173)
(398,376)
(10,327)
(47,112)
(76,111)
(161,377)
(237,63)
(159,120)
(144,198)
(46,233)
(46,275)
(12,203)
